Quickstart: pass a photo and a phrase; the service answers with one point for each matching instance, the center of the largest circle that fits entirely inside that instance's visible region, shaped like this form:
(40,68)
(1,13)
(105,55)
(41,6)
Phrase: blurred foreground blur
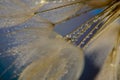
(59,40)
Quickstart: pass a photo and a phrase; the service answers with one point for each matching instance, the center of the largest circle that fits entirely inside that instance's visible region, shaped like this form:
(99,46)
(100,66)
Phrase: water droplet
(68,36)
(94,20)
(96,27)
(82,42)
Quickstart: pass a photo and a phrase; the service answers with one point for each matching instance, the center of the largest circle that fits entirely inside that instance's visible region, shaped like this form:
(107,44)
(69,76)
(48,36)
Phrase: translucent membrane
(29,40)
(58,12)
(55,62)
(14,12)
(18,7)
(34,44)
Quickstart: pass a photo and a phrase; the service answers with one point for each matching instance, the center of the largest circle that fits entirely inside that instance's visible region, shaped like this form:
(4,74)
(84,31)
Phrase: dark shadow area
(90,70)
